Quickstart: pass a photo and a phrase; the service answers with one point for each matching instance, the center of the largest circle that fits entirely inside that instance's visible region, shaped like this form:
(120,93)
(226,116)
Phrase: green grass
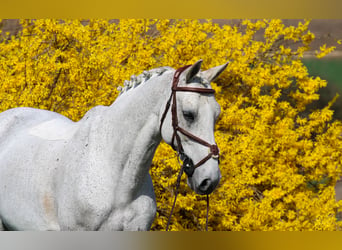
(327,69)
(330,70)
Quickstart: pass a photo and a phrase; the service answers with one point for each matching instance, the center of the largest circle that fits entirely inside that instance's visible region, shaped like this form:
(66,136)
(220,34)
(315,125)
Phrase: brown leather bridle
(213,149)
(188,167)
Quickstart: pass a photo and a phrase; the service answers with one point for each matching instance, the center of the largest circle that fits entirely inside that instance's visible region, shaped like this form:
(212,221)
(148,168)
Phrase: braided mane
(143,77)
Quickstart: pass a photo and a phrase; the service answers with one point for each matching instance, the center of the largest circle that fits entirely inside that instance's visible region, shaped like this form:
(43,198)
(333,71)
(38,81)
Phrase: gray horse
(56,174)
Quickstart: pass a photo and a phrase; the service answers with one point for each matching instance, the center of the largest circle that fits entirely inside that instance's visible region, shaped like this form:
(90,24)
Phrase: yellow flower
(279,164)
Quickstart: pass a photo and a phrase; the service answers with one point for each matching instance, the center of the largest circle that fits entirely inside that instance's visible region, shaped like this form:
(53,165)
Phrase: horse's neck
(128,131)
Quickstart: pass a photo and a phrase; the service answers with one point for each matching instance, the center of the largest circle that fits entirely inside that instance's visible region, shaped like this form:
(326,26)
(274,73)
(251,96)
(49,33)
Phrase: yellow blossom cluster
(280,160)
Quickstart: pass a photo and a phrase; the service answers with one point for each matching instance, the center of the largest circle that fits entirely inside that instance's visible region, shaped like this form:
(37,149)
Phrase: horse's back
(28,139)
(24,118)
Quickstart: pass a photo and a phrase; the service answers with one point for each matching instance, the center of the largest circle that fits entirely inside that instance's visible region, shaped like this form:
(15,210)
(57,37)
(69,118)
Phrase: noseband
(189,168)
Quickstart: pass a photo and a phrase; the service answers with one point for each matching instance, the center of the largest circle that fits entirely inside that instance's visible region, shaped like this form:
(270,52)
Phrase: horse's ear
(213,73)
(192,70)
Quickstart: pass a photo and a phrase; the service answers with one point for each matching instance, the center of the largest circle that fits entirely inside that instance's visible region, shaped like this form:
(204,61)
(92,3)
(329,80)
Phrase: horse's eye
(189,116)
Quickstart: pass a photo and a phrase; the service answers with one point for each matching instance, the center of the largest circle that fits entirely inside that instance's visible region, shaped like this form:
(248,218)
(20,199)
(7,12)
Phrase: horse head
(188,126)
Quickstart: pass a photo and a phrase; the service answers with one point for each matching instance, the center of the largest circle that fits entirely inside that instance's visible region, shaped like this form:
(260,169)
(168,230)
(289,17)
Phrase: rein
(187,166)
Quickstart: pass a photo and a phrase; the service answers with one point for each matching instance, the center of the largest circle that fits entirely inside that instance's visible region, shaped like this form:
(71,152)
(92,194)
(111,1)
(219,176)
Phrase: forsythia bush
(280,160)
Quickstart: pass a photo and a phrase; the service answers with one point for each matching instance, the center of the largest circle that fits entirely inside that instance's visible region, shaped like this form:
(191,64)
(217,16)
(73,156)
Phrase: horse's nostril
(205,185)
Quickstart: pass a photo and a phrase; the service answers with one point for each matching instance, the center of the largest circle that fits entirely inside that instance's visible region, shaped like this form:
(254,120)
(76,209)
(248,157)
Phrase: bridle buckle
(214,151)
(215,156)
